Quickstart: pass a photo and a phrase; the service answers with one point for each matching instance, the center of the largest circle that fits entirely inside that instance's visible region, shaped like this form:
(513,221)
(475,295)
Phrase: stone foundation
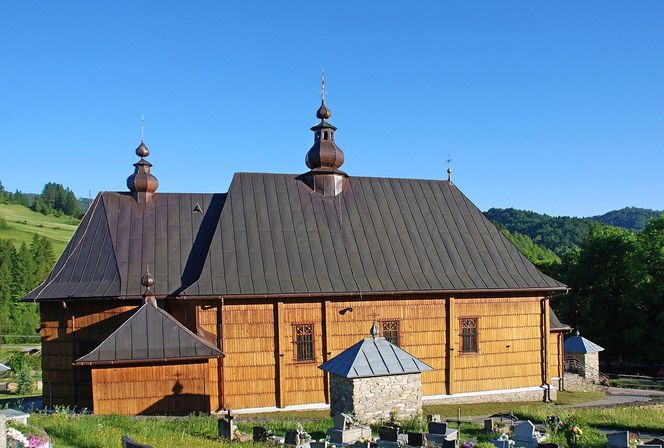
(378,398)
(526,394)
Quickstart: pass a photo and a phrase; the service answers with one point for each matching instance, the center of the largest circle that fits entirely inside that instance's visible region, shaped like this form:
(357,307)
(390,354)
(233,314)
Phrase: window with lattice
(391,331)
(304,342)
(469,335)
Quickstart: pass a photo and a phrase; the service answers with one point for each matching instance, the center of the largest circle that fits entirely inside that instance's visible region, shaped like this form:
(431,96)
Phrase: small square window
(304,342)
(469,335)
(390,330)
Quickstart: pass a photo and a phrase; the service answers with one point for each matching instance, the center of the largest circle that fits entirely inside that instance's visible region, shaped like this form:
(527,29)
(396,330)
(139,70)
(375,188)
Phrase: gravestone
(524,435)
(346,431)
(260,434)
(439,433)
(656,441)
(225,427)
(417,439)
(17,416)
(3,432)
(298,438)
(498,443)
(488,425)
(389,437)
(619,439)
(128,443)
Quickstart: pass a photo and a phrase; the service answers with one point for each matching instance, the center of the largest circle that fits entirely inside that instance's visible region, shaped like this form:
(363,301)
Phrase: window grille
(304,342)
(469,335)
(391,331)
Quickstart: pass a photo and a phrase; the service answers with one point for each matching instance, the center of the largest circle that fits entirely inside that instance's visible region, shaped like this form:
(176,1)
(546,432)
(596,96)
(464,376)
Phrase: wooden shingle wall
(69,333)
(510,345)
(175,389)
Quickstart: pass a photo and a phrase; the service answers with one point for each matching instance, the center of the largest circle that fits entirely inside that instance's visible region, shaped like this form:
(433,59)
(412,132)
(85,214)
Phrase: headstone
(128,443)
(618,439)
(450,443)
(342,421)
(292,438)
(439,433)
(3,432)
(417,439)
(17,416)
(488,425)
(498,443)
(345,430)
(656,441)
(548,445)
(437,427)
(260,434)
(225,426)
(524,435)
(388,433)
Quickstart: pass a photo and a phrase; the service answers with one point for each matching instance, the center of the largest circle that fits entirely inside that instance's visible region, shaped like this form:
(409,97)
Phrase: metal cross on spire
(142,127)
(448,162)
(322,83)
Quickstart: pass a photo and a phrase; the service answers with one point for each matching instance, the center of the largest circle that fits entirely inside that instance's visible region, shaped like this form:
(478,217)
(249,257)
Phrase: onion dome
(142,181)
(324,154)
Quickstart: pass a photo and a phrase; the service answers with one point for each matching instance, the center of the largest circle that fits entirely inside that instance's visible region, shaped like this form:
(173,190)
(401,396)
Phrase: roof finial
(142,127)
(449,167)
(142,182)
(375,331)
(322,83)
(147,281)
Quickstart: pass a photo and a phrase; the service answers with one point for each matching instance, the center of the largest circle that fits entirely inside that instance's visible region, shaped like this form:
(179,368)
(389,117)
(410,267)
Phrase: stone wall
(378,398)
(589,365)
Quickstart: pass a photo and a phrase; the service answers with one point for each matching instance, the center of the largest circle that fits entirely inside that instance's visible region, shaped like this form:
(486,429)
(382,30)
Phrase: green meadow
(22,223)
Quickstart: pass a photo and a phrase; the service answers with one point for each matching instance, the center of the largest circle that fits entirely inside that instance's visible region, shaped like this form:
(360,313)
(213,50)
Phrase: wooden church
(170,303)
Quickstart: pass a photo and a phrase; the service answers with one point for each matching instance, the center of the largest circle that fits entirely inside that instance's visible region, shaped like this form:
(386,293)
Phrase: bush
(3,224)
(24,380)
(17,361)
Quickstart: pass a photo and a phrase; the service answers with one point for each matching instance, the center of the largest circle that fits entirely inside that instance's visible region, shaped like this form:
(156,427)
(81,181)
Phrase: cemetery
(526,425)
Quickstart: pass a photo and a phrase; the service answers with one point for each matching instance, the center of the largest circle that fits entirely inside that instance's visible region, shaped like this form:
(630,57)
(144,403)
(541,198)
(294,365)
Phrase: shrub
(24,380)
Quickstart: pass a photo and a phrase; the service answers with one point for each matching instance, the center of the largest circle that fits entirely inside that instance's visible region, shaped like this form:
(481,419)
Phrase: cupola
(142,183)
(325,158)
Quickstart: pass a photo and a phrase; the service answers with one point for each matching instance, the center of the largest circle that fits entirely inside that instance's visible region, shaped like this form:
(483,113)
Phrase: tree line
(21,271)
(54,199)
(616,299)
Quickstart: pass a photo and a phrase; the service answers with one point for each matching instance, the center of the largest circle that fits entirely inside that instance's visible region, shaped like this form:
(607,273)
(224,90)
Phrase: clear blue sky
(556,107)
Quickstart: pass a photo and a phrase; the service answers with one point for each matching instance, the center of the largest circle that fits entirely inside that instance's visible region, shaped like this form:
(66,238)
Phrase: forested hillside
(34,230)
(563,233)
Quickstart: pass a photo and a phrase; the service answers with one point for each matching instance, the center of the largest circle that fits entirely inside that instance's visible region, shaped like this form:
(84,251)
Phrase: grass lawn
(88,431)
(23,223)
(635,418)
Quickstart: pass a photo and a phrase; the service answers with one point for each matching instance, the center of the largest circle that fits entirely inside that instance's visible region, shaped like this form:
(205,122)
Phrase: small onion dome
(142,150)
(147,280)
(142,181)
(323,113)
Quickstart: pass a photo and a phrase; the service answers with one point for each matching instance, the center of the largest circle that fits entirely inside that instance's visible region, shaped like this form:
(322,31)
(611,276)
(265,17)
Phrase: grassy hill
(22,223)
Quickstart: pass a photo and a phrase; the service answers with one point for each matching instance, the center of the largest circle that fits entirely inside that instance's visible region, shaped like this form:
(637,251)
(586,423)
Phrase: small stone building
(585,355)
(374,379)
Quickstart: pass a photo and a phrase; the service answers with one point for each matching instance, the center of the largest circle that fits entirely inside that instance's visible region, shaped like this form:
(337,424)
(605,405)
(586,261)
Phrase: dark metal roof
(373,357)
(555,323)
(579,344)
(270,234)
(150,334)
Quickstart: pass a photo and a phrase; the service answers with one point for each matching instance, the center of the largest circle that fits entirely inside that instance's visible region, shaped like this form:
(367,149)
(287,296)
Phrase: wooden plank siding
(174,389)
(69,333)
(249,365)
(510,347)
(260,370)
